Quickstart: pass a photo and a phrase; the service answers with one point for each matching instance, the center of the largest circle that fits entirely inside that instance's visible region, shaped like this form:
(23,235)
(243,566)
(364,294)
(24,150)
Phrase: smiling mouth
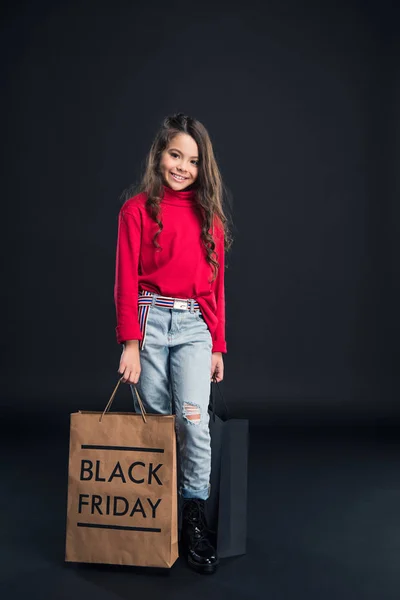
(178,177)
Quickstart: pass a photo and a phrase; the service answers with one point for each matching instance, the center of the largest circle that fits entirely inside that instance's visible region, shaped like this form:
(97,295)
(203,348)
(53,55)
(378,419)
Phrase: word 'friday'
(111,507)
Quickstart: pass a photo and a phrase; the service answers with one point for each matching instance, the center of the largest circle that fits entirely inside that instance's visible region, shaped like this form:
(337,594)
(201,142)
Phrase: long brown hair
(208,186)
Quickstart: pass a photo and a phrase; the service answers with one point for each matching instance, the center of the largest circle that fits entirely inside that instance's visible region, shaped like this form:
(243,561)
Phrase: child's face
(180,158)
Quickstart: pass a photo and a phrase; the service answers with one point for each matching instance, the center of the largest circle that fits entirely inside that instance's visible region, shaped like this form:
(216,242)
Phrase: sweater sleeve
(219,343)
(126,276)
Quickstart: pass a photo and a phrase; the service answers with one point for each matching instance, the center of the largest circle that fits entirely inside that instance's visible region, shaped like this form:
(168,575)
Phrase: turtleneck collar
(177,197)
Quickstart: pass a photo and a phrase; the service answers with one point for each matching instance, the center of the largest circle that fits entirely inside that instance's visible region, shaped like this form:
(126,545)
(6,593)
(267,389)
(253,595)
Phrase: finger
(130,379)
(121,369)
(134,377)
(126,375)
(122,372)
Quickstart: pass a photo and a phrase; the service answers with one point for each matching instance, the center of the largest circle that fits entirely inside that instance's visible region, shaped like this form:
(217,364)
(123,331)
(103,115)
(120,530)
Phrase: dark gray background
(302,104)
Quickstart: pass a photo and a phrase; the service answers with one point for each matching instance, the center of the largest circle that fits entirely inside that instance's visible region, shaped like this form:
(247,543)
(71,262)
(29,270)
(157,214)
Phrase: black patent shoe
(196,537)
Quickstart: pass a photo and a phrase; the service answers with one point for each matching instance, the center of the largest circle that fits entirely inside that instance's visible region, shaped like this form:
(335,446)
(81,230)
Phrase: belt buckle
(180,304)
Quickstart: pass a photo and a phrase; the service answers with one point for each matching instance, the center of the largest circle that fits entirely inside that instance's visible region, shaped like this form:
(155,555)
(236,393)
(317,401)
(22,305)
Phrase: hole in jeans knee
(191,413)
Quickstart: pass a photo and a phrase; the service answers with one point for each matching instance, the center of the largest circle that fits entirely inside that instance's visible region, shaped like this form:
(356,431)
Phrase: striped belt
(145,301)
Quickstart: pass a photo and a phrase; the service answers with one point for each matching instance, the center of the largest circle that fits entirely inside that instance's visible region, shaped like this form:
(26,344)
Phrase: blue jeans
(176,378)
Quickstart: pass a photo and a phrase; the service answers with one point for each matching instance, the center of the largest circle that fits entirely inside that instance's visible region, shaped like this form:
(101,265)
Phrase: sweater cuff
(219,346)
(128,334)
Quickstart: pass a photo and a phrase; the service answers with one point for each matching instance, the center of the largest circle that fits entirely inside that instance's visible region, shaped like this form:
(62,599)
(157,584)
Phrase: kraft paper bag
(122,488)
(227,504)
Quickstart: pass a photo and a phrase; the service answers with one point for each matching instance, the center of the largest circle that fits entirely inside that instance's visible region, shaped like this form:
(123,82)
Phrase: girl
(170,304)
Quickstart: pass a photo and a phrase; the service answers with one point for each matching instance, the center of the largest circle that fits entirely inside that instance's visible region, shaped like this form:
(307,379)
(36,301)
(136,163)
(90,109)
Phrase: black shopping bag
(227,505)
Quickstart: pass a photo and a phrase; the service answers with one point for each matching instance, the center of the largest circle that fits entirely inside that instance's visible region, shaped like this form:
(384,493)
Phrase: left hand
(217,366)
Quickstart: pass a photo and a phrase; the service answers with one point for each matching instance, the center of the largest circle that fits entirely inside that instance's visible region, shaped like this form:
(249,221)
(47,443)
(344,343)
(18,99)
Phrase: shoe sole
(204,569)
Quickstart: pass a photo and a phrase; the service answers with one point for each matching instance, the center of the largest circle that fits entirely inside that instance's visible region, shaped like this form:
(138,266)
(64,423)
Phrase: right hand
(129,365)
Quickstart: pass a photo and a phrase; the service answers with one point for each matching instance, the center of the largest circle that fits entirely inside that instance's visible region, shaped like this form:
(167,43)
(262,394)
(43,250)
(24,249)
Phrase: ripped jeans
(176,378)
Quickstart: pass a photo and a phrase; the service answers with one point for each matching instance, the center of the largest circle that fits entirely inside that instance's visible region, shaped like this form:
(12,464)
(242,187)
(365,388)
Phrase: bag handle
(214,380)
(142,410)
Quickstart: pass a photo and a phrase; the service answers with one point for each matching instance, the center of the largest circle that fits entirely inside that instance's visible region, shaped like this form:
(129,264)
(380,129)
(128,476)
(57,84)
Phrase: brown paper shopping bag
(122,488)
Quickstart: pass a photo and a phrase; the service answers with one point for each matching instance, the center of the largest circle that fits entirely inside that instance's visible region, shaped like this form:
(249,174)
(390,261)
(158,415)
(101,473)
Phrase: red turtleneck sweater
(179,270)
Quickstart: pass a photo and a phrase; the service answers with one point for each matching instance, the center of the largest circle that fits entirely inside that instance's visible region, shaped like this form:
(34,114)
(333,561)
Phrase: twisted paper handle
(142,410)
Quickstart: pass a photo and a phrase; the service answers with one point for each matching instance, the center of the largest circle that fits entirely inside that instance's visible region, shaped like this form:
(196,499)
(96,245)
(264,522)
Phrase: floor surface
(323,523)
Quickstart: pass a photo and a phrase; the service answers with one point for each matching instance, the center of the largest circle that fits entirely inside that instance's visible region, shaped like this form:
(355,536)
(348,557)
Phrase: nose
(182,168)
